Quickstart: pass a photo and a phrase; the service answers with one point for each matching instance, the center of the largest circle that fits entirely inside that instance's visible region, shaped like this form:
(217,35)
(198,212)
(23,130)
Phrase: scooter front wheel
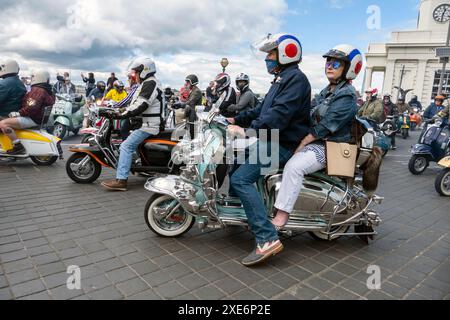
(60,131)
(418,164)
(442,183)
(171,225)
(80,172)
(44,160)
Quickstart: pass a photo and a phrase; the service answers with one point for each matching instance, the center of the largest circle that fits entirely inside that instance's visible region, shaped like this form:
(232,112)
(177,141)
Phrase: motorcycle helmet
(8,67)
(40,76)
(242,78)
(101,85)
(289,48)
(222,82)
(118,84)
(145,66)
(352,57)
(192,79)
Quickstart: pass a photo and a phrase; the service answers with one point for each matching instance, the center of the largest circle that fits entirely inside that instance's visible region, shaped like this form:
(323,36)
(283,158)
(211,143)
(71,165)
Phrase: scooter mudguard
(422,149)
(63,121)
(93,151)
(181,190)
(445,162)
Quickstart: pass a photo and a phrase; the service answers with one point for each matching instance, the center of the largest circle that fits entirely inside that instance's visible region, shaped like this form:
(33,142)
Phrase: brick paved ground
(48,223)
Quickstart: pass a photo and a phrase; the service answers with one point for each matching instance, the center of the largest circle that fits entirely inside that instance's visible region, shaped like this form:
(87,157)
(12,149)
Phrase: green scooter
(67,115)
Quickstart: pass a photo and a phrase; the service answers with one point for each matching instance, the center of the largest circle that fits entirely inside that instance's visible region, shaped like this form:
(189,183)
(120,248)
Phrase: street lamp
(224,63)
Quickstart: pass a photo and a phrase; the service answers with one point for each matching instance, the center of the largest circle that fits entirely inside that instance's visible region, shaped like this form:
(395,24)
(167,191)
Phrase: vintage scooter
(152,157)
(416,119)
(41,147)
(433,145)
(404,124)
(326,208)
(442,183)
(67,115)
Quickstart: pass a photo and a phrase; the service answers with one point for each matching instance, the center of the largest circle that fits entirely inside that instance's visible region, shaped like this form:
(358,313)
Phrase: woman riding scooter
(331,120)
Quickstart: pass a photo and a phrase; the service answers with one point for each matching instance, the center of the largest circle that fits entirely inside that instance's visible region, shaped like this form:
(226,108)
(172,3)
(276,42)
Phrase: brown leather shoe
(115,185)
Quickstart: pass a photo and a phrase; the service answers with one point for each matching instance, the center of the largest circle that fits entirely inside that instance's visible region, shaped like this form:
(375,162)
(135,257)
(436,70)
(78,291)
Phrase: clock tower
(429,11)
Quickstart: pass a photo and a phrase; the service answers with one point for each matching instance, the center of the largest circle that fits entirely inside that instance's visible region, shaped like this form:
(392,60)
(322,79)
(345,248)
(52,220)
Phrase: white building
(414,52)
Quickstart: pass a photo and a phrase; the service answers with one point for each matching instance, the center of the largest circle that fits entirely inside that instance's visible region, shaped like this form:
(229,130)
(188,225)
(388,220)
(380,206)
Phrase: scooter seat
(164,135)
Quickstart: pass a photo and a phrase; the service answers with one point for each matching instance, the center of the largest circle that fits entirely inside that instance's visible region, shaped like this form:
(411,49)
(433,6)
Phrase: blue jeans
(242,184)
(127,148)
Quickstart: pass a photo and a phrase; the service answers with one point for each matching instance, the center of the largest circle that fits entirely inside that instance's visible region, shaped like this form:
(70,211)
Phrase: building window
(446,83)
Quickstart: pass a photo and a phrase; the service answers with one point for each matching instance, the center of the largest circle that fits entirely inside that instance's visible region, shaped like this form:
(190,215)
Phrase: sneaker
(263,252)
(18,150)
(393,148)
(115,185)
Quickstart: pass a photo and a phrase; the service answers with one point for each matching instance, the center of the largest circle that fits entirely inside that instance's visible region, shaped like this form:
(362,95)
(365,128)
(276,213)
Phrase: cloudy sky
(186,36)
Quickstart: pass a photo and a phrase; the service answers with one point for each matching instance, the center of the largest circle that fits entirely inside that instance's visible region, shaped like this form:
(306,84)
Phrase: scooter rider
(247,99)
(390,109)
(12,90)
(32,111)
(226,94)
(148,104)
(373,107)
(332,120)
(435,107)
(415,103)
(286,108)
(99,91)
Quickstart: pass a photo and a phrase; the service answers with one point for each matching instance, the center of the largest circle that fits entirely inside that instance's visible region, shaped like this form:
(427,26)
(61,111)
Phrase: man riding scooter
(32,111)
(285,109)
(148,104)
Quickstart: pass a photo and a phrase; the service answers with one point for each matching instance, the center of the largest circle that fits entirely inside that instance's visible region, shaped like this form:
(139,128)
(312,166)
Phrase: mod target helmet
(352,57)
(288,47)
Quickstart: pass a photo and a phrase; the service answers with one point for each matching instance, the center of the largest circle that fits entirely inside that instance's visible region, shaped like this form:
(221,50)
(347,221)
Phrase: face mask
(271,65)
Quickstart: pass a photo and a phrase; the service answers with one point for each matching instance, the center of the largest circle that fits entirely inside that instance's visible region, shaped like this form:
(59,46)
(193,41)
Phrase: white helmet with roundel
(289,48)
(352,56)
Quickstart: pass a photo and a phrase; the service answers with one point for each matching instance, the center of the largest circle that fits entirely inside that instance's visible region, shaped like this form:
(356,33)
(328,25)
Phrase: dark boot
(115,185)
(18,149)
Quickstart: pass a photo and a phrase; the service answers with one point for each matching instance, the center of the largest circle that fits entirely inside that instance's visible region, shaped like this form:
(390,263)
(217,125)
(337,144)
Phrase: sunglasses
(334,64)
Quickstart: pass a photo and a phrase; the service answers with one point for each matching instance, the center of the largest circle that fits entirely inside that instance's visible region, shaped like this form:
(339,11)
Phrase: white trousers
(301,164)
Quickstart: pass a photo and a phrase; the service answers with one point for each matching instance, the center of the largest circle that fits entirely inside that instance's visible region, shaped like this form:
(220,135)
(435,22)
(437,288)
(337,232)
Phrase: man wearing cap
(373,107)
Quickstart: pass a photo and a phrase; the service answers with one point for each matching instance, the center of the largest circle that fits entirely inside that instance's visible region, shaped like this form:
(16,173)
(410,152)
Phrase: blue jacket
(12,91)
(335,111)
(286,107)
(432,110)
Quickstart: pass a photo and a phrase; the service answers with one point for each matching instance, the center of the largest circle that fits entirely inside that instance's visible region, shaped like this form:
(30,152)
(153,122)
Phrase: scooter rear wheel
(175,226)
(442,183)
(89,174)
(44,161)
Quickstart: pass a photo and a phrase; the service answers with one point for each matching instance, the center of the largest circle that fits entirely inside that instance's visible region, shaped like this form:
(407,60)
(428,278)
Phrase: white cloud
(182,36)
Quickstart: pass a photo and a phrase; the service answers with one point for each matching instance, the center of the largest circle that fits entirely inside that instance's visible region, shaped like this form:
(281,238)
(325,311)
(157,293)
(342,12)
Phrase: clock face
(442,13)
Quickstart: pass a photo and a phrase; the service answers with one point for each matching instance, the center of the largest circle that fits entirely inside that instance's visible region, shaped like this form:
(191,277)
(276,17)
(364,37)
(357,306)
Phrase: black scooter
(153,156)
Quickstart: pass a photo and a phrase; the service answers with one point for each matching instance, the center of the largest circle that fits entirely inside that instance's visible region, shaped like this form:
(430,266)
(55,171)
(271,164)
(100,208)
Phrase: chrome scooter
(326,208)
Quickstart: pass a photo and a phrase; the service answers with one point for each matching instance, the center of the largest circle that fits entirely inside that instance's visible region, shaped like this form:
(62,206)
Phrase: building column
(368,79)
(420,79)
(389,77)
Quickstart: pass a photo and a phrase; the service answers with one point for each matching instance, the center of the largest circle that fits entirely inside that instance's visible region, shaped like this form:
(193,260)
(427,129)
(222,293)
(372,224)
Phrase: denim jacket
(334,113)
